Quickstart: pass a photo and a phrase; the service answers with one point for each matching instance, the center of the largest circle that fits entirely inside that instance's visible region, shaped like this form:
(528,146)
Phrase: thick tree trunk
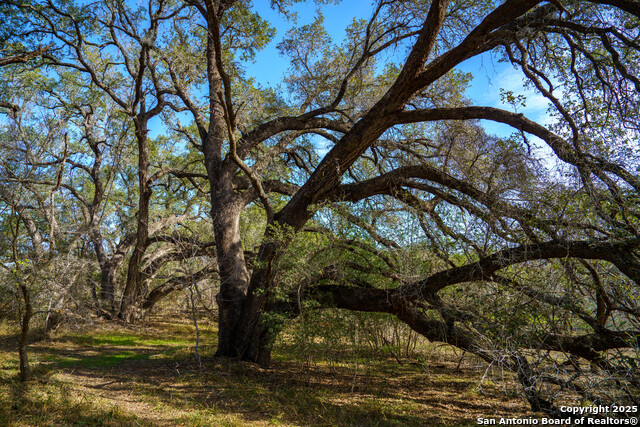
(253,338)
(234,276)
(134,279)
(226,204)
(261,343)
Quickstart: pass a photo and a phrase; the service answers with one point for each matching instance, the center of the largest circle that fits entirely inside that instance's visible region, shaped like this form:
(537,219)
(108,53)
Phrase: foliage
(140,159)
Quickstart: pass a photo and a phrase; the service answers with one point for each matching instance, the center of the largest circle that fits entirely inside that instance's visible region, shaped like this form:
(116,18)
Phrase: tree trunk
(134,279)
(261,341)
(226,204)
(109,267)
(241,333)
(253,337)
(25,369)
(234,276)
(107,287)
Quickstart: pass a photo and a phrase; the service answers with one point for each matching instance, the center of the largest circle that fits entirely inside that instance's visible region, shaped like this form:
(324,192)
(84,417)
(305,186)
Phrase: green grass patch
(98,361)
(127,341)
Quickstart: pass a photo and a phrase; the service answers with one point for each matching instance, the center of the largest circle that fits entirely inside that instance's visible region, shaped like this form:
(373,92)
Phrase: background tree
(102,65)
(39,259)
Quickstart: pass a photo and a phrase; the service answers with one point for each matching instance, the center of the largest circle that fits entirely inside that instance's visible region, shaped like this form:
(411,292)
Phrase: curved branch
(618,254)
(560,146)
(24,57)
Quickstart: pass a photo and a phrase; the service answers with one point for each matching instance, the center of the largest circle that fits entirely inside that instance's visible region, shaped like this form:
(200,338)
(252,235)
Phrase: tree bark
(234,276)
(25,369)
(134,277)
(226,204)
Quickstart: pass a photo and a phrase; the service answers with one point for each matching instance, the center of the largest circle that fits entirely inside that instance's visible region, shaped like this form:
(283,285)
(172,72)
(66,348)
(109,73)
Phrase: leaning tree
(469,238)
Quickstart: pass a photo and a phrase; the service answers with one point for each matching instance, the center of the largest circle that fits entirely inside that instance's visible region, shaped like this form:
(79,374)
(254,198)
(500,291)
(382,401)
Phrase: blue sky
(270,66)
(488,74)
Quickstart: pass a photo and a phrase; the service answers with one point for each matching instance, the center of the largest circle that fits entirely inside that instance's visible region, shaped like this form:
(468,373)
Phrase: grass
(115,375)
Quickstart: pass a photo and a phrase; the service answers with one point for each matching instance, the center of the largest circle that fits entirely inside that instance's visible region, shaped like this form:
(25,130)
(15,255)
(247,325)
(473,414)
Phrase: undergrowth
(116,375)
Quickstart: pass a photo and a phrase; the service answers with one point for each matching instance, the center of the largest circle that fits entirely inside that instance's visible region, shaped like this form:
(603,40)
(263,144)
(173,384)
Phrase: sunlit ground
(147,375)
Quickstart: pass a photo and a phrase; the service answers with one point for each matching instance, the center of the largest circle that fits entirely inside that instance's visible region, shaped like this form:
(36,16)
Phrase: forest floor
(117,375)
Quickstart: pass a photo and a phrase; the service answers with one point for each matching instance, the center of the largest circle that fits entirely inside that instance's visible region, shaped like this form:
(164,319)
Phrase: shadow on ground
(153,379)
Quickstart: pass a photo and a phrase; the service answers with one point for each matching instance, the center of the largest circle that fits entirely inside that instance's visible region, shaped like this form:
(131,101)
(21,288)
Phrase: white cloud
(510,79)
(490,77)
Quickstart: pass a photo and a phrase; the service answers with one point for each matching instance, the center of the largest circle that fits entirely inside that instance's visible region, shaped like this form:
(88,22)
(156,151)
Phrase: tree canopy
(137,148)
